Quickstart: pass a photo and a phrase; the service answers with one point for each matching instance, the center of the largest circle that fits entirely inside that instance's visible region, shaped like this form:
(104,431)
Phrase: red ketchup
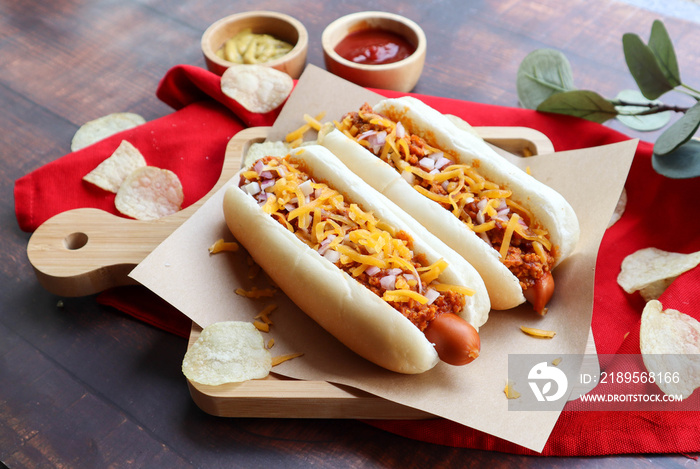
(374,47)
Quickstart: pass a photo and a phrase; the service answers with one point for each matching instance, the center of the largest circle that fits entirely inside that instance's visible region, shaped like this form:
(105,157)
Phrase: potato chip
(111,173)
(651,270)
(149,193)
(619,208)
(260,150)
(670,345)
(654,290)
(256,87)
(227,352)
(102,127)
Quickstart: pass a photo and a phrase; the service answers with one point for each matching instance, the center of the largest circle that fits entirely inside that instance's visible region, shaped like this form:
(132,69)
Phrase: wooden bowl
(276,24)
(399,76)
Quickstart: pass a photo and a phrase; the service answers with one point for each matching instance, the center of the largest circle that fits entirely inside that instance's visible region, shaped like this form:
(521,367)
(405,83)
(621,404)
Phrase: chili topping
(375,254)
(486,208)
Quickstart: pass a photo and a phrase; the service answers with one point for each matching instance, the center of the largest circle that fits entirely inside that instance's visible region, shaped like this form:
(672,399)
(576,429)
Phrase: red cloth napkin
(191,141)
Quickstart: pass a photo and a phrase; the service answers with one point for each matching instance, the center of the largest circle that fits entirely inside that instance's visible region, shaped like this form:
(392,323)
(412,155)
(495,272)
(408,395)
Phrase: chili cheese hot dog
(512,228)
(381,284)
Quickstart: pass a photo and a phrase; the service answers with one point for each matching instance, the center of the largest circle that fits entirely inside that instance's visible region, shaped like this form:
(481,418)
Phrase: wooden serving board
(277,396)
(85,251)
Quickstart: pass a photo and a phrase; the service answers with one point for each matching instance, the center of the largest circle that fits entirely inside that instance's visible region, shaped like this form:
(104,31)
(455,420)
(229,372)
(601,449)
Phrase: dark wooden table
(84,386)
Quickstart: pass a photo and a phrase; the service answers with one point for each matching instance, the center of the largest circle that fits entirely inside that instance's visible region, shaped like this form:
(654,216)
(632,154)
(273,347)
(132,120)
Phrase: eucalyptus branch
(653,108)
(545,83)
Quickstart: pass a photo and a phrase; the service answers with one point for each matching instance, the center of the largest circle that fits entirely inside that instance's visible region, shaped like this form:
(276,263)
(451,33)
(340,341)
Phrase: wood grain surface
(84,386)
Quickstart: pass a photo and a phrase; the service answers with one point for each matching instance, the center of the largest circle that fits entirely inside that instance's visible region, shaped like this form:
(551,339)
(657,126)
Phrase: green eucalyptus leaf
(662,48)
(629,115)
(644,67)
(580,103)
(541,74)
(680,132)
(683,163)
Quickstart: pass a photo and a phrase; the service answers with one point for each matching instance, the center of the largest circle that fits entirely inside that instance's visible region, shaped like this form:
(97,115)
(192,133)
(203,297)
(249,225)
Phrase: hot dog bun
(353,314)
(548,207)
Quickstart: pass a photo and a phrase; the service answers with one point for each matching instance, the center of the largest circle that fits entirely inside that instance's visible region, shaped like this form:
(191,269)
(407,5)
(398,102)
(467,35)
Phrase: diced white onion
(503,213)
(252,188)
(372,270)
(400,130)
(305,187)
(331,255)
(325,244)
(409,177)
(258,166)
(366,134)
(442,162)
(427,163)
(431,295)
(394,272)
(262,197)
(377,140)
(388,282)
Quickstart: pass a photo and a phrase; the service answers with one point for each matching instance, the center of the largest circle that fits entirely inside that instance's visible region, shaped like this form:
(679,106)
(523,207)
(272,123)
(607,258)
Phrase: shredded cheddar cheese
(350,237)
(539,333)
(283,358)
(221,246)
(295,137)
(264,315)
(256,292)
(261,326)
(404,295)
(510,391)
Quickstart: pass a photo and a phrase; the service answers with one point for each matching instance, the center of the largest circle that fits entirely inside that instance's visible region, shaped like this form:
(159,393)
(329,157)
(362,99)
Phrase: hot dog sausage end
(456,341)
(540,293)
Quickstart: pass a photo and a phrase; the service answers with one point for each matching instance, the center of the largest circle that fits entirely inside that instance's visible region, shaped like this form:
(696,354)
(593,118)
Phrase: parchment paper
(201,285)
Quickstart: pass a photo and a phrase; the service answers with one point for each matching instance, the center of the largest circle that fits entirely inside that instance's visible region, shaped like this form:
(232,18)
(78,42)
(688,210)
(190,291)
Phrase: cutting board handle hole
(75,241)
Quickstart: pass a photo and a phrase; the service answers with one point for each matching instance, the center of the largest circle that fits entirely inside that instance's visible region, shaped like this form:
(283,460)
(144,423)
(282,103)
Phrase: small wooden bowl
(276,24)
(399,76)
